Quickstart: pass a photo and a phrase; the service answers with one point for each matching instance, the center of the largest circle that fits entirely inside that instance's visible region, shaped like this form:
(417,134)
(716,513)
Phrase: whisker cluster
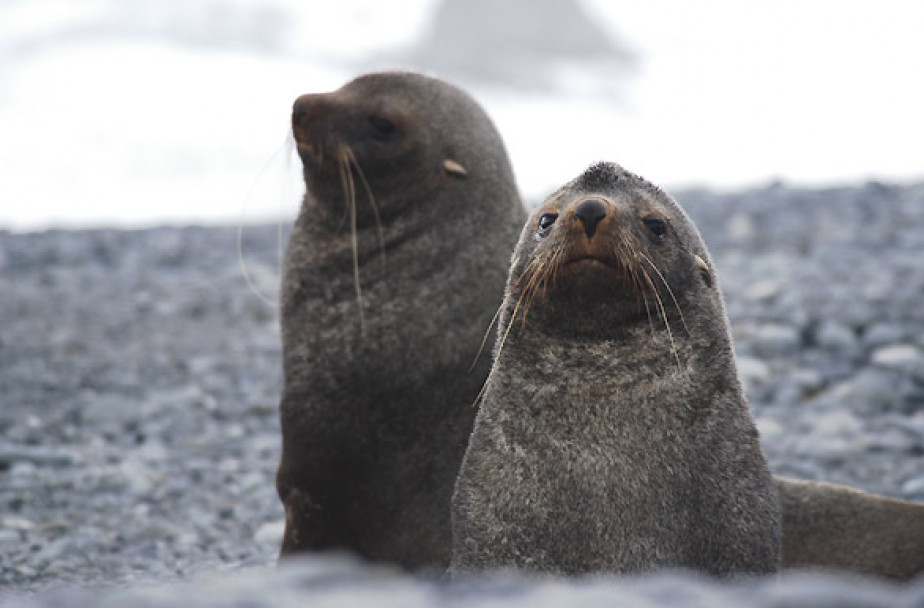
(349,193)
(349,167)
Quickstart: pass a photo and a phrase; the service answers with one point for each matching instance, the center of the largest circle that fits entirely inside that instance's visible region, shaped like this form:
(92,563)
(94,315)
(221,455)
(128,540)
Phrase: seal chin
(589,281)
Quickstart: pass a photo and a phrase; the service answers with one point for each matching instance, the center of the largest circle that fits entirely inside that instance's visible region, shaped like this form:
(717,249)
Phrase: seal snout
(306,112)
(309,107)
(589,212)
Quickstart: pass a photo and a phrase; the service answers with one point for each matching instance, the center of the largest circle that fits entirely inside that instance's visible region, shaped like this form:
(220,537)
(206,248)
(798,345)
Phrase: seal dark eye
(545,222)
(656,226)
(381,124)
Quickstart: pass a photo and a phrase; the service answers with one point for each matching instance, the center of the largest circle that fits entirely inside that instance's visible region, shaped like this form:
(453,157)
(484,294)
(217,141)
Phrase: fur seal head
(370,138)
(389,159)
(607,251)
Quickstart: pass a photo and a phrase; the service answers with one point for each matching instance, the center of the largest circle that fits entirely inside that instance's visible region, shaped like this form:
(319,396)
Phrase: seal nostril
(311,107)
(299,111)
(297,115)
(590,211)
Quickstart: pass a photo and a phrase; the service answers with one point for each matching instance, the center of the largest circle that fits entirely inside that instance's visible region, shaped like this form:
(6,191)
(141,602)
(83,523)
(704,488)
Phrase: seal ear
(454,168)
(704,270)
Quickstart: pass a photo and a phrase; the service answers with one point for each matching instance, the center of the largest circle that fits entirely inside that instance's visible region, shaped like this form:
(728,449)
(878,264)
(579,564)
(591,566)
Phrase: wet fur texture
(613,435)
(834,527)
(395,265)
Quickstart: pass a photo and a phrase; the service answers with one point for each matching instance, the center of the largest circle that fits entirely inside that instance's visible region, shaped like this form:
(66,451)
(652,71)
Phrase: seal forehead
(599,176)
(444,109)
(609,177)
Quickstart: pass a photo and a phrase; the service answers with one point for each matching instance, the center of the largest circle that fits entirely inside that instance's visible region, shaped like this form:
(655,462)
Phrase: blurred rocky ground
(139,379)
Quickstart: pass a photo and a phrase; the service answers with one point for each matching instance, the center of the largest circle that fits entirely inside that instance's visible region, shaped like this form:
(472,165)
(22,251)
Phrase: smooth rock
(869,391)
(776,340)
(768,428)
(837,423)
(752,371)
(914,488)
(836,337)
(882,334)
(10,537)
(37,455)
(270,533)
(905,358)
(763,290)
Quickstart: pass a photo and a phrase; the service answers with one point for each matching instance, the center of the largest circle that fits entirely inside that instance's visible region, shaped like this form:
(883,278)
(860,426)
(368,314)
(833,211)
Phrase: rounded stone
(836,337)
(881,334)
(906,358)
(914,488)
(753,372)
(776,340)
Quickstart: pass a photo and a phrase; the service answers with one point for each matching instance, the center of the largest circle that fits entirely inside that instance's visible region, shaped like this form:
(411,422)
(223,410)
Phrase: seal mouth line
(606,261)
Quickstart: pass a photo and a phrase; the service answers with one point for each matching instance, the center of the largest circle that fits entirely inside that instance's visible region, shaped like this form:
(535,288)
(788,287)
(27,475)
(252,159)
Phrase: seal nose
(300,110)
(306,110)
(590,211)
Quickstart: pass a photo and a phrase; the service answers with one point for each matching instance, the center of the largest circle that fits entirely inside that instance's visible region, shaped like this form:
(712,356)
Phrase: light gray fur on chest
(597,461)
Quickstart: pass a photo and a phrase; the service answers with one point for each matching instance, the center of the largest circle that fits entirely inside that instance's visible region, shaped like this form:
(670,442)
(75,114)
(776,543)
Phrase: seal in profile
(613,435)
(834,527)
(395,264)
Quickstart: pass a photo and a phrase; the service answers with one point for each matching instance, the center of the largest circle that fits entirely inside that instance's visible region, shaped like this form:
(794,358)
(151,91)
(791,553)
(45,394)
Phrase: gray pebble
(776,340)
(905,358)
(882,334)
(753,372)
(108,412)
(836,337)
(10,537)
(136,478)
(869,391)
(808,381)
(270,533)
(837,423)
(763,290)
(23,471)
(913,489)
(36,455)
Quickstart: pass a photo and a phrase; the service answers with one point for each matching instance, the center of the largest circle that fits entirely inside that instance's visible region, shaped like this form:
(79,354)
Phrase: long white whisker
(375,207)
(669,291)
(487,333)
(667,325)
(350,191)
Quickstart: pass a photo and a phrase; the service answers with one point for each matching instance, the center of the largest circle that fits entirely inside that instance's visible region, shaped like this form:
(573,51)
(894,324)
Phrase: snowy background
(144,112)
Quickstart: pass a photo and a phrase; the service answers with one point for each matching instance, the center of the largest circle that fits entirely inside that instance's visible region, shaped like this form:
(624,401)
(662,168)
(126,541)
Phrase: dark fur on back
(605,441)
(376,408)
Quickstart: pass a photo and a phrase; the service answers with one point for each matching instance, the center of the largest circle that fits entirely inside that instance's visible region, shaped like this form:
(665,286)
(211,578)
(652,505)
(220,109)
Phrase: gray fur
(374,426)
(594,450)
(834,527)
